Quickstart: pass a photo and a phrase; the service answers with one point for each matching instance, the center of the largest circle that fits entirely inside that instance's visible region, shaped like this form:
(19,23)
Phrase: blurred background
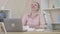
(17,8)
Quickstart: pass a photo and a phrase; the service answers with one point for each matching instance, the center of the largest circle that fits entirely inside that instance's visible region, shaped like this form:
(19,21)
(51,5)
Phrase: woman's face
(34,7)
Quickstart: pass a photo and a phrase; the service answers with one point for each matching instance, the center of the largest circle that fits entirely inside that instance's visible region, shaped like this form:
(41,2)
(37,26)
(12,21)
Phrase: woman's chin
(34,10)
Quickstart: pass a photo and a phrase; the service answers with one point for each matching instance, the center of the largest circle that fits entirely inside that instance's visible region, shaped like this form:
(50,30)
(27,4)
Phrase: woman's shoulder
(25,15)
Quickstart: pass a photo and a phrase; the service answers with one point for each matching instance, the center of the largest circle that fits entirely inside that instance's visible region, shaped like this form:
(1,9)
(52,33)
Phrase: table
(33,33)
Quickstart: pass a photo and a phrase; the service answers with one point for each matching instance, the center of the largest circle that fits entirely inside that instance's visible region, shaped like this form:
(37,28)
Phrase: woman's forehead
(34,3)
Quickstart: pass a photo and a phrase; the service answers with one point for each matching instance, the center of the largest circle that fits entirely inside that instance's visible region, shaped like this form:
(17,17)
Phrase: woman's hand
(39,27)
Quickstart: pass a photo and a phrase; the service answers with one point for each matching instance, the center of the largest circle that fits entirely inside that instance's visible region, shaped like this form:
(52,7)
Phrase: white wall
(18,7)
(53,2)
(44,4)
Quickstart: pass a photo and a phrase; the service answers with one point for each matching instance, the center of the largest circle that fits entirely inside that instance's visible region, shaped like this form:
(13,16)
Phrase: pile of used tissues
(32,29)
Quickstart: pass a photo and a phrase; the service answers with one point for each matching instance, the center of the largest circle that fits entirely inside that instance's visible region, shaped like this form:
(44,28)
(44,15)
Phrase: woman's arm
(24,20)
(42,21)
(41,24)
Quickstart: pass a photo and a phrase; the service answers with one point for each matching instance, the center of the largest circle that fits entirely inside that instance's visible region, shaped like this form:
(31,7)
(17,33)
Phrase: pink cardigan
(35,22)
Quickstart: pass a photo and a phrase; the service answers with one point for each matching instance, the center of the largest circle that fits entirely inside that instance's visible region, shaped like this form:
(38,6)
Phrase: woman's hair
(38,4)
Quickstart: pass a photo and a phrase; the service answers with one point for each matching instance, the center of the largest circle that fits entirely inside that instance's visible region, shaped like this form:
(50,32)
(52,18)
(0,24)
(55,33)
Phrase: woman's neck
(33,14)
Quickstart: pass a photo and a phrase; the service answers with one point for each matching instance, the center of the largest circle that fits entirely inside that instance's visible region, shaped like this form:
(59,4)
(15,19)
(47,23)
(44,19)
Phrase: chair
(3,27)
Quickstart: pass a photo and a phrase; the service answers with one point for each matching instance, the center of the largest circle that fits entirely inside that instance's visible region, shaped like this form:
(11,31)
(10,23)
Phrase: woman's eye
(35,5)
